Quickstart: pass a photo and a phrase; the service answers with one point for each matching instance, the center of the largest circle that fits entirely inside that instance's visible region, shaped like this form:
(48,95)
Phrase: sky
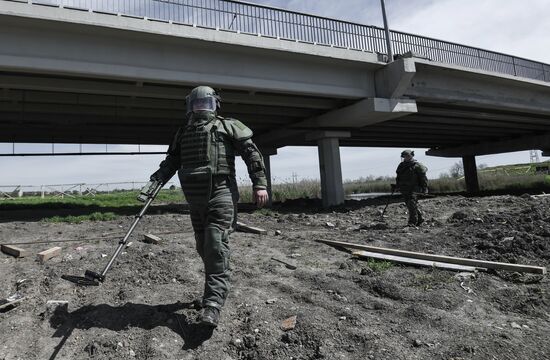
(515,27)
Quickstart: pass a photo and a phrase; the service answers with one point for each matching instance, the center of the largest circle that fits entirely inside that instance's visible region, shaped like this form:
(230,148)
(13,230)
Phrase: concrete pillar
(332,188)
(267,163)
(267,153)
(470,173)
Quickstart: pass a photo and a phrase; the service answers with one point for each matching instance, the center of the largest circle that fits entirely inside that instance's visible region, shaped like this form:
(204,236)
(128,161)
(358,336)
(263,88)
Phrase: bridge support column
(267,163)
(332,188)
(470,173)
(330,167)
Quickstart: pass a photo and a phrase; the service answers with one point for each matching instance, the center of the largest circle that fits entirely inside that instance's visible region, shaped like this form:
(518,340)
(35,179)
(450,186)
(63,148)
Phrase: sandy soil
(345,308)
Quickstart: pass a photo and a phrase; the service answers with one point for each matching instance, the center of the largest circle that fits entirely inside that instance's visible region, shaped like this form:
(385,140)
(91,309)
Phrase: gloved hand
(261,197)
(424,190)
(394,187)
(156,176)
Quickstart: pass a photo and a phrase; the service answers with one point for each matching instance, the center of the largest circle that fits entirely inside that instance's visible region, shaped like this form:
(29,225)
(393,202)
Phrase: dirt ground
(345,308)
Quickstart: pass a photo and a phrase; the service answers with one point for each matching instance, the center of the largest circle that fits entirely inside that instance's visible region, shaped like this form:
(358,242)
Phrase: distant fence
(242,17)
(70,190)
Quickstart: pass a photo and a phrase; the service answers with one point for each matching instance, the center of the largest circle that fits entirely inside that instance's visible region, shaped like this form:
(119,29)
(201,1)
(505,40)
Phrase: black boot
(210,316)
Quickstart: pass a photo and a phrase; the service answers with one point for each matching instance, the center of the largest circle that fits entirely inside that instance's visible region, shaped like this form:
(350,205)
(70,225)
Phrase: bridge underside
(45,109)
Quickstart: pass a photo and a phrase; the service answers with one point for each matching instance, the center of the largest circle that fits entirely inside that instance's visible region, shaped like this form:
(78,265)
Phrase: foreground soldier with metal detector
(203,153)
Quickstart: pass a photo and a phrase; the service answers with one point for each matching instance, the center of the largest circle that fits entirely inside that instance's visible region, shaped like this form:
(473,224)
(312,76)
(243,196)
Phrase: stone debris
(56,305)
(289,323)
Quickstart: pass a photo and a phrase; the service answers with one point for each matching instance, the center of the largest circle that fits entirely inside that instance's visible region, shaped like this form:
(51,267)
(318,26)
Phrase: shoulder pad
(236,129)
(422,167)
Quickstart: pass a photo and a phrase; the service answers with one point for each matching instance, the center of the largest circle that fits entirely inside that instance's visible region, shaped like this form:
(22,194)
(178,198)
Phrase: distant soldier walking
(203,153)
(411,179)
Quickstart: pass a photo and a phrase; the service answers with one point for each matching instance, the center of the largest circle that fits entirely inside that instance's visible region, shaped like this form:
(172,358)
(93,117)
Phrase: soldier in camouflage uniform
(203,153)
(411,179)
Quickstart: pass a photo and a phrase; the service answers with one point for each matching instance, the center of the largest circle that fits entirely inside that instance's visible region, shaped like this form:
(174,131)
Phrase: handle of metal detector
(150,189)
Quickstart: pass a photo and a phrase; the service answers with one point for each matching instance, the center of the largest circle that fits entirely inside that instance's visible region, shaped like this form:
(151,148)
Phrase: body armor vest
(205,150)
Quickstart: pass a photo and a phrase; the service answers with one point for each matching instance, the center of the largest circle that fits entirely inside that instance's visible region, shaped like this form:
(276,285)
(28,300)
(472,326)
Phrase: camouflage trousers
(213,220)
(415,216)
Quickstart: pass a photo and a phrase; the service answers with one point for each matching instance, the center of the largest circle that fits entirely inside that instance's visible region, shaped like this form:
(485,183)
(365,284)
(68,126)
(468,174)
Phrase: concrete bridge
(119,75)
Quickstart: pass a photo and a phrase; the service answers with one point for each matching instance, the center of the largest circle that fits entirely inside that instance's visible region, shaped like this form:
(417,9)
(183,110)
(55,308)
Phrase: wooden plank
(419,262)
(48,254)
(14,251)
(10,301)
(440,258)
(251,229)
(151,239)
(288,265)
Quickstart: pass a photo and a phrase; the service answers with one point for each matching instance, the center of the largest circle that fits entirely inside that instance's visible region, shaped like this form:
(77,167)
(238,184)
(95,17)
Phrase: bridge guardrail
(243,17)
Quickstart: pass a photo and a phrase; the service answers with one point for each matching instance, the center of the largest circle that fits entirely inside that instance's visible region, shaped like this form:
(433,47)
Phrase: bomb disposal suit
(203,153)
(411,179)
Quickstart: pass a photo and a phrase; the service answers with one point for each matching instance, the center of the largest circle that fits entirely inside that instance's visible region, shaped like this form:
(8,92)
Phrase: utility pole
(387,30)
(534,156)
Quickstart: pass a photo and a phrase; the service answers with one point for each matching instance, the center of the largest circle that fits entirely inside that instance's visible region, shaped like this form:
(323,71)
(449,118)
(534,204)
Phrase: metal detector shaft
(387,203)
(134,224)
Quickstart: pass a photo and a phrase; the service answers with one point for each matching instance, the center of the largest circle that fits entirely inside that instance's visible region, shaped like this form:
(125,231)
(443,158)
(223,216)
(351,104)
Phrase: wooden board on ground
(411,261)
(14,251)
(440,258)
(48,254)
(251,229)
(151,239)
(11,301)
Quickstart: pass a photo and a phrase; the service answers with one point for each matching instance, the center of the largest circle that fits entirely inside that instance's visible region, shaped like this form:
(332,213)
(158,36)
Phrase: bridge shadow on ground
(37,212)
(119,318)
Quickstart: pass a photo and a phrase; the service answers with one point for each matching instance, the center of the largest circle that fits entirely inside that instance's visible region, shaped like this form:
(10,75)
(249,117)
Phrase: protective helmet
(202,98)
(407,152)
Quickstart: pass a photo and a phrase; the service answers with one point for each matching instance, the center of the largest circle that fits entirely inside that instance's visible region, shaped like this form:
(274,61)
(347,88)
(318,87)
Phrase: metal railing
(242,17)
(71,190)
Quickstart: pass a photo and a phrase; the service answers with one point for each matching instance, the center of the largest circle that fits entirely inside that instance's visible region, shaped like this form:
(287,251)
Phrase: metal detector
(91,278)
(388,202)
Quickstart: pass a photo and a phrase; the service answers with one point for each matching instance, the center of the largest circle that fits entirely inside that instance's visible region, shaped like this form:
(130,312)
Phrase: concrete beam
(457,85)
(393,79)
(495,147)
(155,91)
(115,47)
(363,113)
(327,134)
(470,174)
(332,188)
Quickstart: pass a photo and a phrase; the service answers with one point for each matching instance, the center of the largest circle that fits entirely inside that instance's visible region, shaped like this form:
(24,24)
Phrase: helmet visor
(201,104)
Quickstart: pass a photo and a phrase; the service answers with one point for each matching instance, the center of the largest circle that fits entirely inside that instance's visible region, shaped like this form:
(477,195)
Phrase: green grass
(379,265)
(287,191)
(108,200)
(96,216)
(488,180)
